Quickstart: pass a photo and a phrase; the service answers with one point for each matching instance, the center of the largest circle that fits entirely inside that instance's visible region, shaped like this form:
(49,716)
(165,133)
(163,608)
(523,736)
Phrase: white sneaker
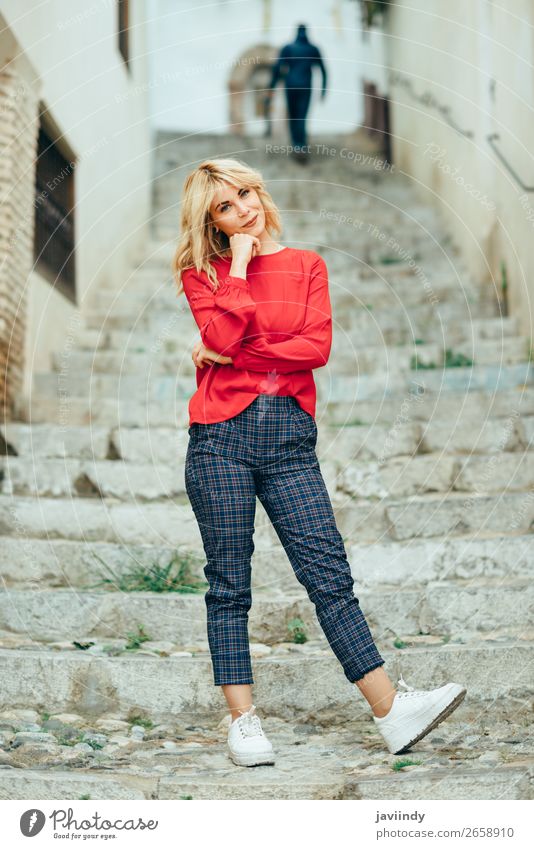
(416,712)
(247,743)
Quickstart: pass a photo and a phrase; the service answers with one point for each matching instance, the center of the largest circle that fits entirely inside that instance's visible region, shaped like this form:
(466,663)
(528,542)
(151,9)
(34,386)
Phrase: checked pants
(268,451)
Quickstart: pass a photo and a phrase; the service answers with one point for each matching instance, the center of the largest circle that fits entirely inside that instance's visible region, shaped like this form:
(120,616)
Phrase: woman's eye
(225,206)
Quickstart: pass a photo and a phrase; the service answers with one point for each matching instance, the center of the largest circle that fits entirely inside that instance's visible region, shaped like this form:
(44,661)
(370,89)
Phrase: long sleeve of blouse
(309,349)
(223,315)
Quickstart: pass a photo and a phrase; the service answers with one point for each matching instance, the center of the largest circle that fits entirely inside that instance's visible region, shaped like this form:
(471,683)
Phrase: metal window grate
(54,215)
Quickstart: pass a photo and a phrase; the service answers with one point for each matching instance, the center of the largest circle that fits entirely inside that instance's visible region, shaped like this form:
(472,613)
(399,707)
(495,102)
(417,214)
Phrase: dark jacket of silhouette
(295,62)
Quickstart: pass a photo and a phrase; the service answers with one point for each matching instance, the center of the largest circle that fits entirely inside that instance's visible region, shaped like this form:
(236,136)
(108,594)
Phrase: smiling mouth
(250,223)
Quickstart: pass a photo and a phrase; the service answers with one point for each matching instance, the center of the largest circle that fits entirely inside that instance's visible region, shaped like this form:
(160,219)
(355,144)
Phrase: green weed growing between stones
(139,719)
(451,360)
(398,765)
(297,630)
(135,640)
(176,576)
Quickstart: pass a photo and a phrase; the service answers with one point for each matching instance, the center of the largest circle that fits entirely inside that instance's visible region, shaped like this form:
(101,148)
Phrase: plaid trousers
(268,451)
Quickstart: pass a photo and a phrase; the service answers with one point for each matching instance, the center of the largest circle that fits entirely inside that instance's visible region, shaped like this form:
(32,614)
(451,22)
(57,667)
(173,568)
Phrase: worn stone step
(115,479)
(108,412)
(430,515)
(496,783)
(443,609)
(392,323)
(462,435)
(469,331)
(41,563)
(399,477)
(459,435)
(477,758)
(393,410)
(307,686)
(94,519)
(145,290)
(339,388)
(331,385)
(375,359)
(161,388)
(346,355)
(471,409)
(392,477)
(47,441)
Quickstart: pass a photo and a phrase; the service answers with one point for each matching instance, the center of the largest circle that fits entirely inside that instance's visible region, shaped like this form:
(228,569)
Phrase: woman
(264,315)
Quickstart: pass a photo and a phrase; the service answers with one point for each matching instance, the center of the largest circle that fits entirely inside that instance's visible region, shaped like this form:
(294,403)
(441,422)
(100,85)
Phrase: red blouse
(276,325)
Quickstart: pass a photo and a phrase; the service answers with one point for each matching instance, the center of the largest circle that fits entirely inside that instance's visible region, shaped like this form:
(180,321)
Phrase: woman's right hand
(243,247)
(202,356)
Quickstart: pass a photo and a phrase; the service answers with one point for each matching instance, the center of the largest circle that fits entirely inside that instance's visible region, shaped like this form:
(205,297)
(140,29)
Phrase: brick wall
(18,146)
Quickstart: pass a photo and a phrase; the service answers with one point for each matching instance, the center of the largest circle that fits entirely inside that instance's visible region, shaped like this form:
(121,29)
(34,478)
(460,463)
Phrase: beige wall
(452,50)
(101,109)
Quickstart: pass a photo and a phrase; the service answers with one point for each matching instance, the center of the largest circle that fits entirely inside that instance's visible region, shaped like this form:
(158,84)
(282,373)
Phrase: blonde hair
(198,240)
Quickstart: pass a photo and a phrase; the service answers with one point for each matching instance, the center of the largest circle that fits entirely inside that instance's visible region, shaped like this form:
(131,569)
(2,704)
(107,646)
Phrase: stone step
(473,756)
(346,356)
(331,385)
(148,290)
(431,473)
(338,387)
(340,247)
(286,185)
(297,687)
(426,516)
(451,610)
(430,407)
(53,563)
(433,515)
(352,239)
(104,412)
(303,202)
(47,440)
(420,320)
(392,409)
(302,778)
(456,436)
(386,358)
(343,225)
(70,477)
(391,477)
(333,242)
(471,332)
(393,327)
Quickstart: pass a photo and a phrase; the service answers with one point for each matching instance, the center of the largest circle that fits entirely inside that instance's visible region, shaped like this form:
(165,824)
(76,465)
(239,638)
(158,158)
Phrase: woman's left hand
(202,356)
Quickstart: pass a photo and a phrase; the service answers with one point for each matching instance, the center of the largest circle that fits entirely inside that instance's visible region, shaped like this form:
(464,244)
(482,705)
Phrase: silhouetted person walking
(294,65)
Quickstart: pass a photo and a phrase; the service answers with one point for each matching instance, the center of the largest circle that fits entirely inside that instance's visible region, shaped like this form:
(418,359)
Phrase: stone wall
(18,144)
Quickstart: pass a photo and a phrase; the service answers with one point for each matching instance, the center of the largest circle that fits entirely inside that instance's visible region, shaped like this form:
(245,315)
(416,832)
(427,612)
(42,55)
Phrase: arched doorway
(247,85)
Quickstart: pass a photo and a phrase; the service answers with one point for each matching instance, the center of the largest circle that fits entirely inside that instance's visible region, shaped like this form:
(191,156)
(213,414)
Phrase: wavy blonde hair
(198,240)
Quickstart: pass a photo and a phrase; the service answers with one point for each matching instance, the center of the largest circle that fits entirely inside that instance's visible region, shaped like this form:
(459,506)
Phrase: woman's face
(232,209)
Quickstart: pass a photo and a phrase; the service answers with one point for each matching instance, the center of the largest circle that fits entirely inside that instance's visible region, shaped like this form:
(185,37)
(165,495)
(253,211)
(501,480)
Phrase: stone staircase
(426,441)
